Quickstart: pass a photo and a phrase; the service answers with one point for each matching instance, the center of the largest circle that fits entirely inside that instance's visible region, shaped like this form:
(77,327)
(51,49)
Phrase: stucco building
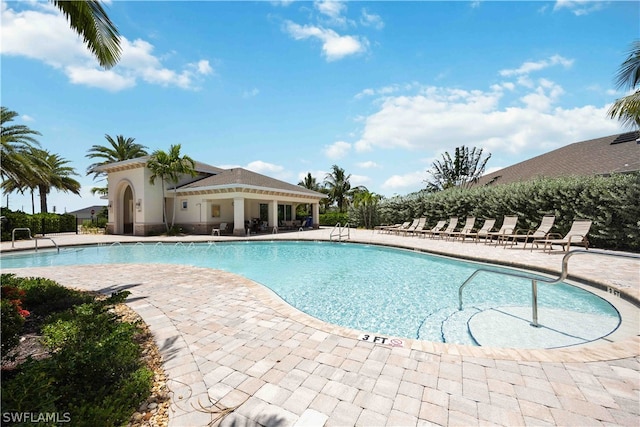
(243,200)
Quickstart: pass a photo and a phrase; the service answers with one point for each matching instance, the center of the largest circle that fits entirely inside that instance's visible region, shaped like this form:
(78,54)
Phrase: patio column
(238,217)
(315,214)
(273,214)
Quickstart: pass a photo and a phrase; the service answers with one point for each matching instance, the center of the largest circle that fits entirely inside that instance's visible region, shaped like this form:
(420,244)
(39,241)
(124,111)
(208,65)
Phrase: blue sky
(379,88)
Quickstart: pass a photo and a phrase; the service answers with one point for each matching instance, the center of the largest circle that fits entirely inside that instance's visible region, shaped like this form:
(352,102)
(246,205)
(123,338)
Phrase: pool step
(448,325)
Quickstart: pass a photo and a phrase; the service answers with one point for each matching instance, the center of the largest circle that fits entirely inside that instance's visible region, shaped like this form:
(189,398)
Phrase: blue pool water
(369,288)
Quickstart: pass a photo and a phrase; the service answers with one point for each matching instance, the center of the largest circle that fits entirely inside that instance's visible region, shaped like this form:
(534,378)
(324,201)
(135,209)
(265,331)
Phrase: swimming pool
(369,288)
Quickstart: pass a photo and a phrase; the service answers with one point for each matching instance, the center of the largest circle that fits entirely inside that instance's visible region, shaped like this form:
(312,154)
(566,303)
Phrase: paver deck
(229,340)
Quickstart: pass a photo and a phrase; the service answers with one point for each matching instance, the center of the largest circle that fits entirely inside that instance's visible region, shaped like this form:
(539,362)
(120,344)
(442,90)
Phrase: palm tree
(460,171)
(338,185)
(53,173)
(366,205)
(118,150)
(169,167)
(28,179)
(16,140)
(310,183)
(90,21)
(627,109)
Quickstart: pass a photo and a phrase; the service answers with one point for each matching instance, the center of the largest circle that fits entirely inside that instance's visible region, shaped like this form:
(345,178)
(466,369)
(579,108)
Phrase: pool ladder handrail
(13,238)
(534,282)
(338,228)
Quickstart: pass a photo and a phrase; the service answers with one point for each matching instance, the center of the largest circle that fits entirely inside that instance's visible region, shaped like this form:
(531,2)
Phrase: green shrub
(333,218)
(45,296)
(94,373)
(10,326)
(38,223)
(610,202)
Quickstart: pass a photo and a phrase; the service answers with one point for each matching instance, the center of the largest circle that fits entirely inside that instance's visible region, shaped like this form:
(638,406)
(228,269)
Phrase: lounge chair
(482,232)
(390,228)
(529,235)
(508,228)
(436,228)
(419,226)
(216,231)
(466,228)
(403,229)
(453,223)
(576,235)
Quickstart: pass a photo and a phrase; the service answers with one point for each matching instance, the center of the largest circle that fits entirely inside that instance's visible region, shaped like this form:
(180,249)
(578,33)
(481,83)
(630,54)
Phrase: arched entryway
(127,211)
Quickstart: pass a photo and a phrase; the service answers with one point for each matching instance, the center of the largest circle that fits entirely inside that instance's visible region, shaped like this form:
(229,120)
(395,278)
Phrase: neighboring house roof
(601,156)
(239,177)
(86,212)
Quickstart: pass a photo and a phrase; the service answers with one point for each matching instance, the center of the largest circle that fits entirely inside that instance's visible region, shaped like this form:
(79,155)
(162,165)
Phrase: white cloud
(203,67)
(269,169)
(371,20)
(531,66)
(579,7)
(337,150)
(103,79)
(357,180)
(368,165)
(402,182)
(23,33)
(437,118)
(27,118)
(331,8)
(334,46)
(250,93)
(264,167)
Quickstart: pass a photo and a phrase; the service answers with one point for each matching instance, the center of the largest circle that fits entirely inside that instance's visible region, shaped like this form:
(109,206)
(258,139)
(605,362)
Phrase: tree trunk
(43,198)
(164,209)
(175,196)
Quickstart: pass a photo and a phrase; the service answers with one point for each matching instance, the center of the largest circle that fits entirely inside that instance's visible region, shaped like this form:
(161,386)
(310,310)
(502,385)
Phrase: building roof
(86,212)
(139,162)
(212,178)
(601,156)
(239,177)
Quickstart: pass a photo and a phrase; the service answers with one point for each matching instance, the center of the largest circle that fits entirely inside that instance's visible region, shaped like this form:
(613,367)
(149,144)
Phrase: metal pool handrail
(534,282)
(13,238)
(339,229)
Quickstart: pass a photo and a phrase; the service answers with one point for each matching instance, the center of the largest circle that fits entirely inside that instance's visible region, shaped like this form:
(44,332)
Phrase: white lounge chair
(508,228)
(453,223)
(466,228)
(528,236)
(576,235)
(216,231)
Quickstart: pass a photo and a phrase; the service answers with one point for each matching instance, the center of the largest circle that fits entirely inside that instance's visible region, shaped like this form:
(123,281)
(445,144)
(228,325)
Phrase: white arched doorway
(126,212)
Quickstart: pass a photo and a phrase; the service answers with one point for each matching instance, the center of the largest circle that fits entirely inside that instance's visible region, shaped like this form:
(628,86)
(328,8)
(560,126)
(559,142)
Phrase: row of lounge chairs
(508,234)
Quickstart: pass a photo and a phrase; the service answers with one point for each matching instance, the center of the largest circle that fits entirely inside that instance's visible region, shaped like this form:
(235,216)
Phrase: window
(184,205)
(215,211)
(264,212)
(284,213)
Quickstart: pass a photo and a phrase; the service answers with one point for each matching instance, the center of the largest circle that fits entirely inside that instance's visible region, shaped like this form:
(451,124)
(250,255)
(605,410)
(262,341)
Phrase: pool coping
(600,350)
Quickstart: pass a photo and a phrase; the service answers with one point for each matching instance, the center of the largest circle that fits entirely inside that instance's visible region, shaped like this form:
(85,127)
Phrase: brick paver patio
(229,340)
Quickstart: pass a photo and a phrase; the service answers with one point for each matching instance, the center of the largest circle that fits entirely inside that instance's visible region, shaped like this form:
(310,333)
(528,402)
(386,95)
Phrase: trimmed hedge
(332,218)
(52,223)
(612,203)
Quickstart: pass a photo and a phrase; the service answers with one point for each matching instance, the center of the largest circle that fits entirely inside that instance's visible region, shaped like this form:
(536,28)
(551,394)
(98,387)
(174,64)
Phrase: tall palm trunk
(42,189)
(175,197)
(164,208)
